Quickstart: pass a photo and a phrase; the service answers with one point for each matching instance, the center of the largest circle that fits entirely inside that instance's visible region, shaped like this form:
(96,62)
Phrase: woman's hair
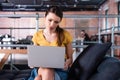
(86,35)
(57,11)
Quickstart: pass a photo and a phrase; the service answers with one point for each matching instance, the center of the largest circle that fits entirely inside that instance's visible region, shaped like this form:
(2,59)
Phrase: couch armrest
(109,69)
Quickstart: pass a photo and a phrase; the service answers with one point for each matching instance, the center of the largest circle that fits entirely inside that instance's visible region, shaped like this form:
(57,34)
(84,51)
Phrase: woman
(85,37)
(53,35)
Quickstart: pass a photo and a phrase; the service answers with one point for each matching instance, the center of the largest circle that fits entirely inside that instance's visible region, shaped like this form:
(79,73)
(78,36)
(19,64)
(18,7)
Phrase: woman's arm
(69,52)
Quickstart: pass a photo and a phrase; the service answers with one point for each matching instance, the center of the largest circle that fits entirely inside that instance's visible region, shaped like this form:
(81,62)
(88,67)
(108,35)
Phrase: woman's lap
(60,74)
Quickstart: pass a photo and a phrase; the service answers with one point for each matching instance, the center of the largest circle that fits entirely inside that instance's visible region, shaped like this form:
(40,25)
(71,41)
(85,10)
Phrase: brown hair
(57,11)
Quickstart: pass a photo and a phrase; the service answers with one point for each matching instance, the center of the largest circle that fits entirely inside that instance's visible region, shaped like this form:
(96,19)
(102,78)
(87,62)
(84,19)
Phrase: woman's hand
(67,64)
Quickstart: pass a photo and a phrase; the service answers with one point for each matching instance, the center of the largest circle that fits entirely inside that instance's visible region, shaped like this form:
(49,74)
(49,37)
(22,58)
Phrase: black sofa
(15,75)
(93,64)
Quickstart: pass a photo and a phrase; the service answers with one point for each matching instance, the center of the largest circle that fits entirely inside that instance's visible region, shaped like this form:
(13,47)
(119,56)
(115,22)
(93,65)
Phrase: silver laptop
(46,56)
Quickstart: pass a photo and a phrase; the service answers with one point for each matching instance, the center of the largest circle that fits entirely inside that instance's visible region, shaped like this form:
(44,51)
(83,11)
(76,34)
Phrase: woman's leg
(38,77)
(45,74)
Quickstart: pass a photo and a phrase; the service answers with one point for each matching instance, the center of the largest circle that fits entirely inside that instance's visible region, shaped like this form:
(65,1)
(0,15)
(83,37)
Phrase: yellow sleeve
(68,37)
(34,39)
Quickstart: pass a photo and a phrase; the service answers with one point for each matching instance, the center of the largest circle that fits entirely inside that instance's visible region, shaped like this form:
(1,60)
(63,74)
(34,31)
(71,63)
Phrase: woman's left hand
(67,64)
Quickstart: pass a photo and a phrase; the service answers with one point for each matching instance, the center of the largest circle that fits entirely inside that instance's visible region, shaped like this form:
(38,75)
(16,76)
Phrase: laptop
(46,56)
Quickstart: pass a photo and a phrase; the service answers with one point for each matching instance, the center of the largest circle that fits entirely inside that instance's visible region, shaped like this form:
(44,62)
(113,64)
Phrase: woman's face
(52,21)
(82,34)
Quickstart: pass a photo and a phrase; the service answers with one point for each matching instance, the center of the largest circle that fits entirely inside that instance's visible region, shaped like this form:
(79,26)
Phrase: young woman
(53,35)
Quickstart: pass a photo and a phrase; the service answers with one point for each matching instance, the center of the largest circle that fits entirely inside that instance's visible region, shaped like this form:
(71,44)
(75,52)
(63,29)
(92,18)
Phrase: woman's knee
(45,71)
(38,78)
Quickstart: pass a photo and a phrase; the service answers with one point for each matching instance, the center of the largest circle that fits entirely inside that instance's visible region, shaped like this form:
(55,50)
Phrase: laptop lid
(46,56)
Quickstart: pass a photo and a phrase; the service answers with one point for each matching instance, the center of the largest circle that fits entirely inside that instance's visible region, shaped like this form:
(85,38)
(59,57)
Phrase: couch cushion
(86,63)
(109,69)
(15,75)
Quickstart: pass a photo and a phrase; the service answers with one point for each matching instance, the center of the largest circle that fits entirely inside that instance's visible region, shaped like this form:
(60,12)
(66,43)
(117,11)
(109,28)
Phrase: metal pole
(99,33)
(99,40)
(112,40)
(65,15)
(37,21)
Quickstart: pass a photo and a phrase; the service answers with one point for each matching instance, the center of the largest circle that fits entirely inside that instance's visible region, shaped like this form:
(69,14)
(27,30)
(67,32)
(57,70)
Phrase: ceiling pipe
(43,5)
(6,1)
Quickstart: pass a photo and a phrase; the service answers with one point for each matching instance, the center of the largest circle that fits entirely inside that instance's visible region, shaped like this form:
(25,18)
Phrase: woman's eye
(50,20)
(56,22)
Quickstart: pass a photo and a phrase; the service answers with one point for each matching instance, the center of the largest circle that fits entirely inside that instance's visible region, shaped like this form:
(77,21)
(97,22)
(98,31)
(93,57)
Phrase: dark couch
(15,75)
(93,64)
(109,69)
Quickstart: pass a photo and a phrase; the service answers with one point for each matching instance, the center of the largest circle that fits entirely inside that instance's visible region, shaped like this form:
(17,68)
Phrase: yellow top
(39,39)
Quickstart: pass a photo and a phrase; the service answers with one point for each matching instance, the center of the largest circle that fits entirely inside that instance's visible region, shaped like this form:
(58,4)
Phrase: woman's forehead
(53,16)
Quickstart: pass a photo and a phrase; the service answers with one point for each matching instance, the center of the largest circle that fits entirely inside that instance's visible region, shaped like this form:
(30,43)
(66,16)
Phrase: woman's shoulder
(39,32)
(68,36)
(66,32)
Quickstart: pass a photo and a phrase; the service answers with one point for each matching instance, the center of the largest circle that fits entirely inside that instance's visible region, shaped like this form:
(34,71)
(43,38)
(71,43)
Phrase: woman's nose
(52,23)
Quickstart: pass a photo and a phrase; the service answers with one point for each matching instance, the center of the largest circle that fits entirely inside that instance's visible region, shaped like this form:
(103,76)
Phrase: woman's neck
(49,31)
(49,35)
